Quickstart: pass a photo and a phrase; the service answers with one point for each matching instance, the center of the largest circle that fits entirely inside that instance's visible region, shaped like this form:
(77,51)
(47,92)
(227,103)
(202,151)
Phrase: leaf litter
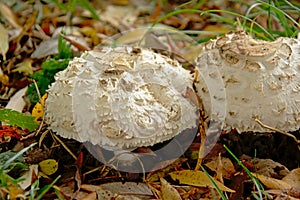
(30,49)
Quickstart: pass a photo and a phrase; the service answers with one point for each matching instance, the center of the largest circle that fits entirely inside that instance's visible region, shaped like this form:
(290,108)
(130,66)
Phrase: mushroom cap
(121,98)
(261,81)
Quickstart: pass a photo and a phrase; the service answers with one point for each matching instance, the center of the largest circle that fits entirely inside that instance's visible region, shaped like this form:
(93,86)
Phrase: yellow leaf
(14,190)
(197,178)
(156,175)
(272,183)
(4,41)
(121,2)
(4,78)
(48,166)
(24,67)
(38,109)
(168,192)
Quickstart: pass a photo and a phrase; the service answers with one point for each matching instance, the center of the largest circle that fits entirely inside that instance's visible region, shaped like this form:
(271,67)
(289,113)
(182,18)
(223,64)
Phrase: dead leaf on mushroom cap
(261,80)
(121,98)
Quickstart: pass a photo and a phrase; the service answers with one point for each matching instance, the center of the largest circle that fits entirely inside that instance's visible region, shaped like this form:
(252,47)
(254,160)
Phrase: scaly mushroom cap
(121,98)
(261,80)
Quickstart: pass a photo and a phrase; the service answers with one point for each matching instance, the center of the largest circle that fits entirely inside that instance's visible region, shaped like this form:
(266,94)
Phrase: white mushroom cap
(261,80)
(121,98)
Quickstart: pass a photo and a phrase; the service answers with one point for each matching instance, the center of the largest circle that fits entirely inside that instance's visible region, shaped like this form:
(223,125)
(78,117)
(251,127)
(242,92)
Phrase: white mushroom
(121,98)
(261,80)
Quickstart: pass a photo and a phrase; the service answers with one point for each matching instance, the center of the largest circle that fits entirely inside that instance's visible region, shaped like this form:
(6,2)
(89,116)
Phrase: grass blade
(255,181)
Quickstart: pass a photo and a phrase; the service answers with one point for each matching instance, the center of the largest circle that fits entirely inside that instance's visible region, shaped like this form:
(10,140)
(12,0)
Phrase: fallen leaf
(7,12)
(266,167)
(38,109)
(156,175)
(4,79)
(90,196)
(293,178)
(226,167)
(119,16)
(14,190)
(17,102)
(197,178)
(272,183)
(48,166)
(46,48)
(13,117)
(168,192)
(6,131)
(118,190)
(29,176)
(4,41)
(120,2)
(77,41)
(24,67)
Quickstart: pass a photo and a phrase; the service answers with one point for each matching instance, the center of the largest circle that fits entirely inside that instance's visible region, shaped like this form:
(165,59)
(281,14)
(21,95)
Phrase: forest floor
(34,32)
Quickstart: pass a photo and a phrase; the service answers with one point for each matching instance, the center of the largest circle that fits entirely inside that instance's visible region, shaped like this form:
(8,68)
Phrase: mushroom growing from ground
(121,98)
(261,81)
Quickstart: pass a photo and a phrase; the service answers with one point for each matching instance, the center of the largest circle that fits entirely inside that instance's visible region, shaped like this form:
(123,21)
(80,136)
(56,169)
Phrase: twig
(277,130)
(43,118)
(65,146)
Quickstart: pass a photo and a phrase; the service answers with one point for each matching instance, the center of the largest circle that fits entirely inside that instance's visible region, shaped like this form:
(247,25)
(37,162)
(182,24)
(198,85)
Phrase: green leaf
(45,77)
(13,118)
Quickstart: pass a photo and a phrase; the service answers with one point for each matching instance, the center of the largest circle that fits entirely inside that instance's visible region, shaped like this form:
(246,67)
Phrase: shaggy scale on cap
(121,98)
(261,80)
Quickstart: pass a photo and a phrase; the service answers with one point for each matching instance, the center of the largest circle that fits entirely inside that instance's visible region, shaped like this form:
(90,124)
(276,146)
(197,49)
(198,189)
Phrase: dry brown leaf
(90,196)
(168,192)
(4,41)
(272,183)
(9,15)
(156,175)
(197,178)
(267,167)
(226,168)
(46,48)
(293,178)
(118,190)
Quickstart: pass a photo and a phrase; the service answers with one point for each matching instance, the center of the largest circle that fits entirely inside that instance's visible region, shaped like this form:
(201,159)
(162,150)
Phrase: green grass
(258,185)
(214,183)
(11,161)
(71,7)
(275,12)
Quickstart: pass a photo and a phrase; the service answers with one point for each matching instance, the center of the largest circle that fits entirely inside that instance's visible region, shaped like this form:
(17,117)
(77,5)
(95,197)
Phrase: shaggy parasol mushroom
(121,98)
(261,81)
